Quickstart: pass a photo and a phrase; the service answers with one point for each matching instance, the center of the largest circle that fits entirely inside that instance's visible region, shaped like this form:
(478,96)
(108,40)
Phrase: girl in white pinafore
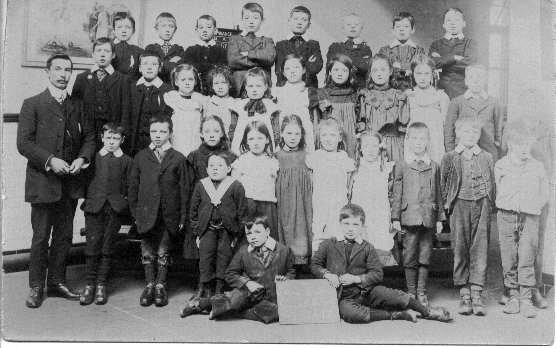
(369,189)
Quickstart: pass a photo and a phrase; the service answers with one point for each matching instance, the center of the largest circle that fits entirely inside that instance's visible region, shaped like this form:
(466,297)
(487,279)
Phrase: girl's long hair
(345,60)
(187,67)
(295,120)
(382,154)
(256,72)
(224,141)
(424,59)
(261,128)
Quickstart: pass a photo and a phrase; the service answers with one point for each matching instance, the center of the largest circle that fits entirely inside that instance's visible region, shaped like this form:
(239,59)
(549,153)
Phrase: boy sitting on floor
(252,274)
(352,266)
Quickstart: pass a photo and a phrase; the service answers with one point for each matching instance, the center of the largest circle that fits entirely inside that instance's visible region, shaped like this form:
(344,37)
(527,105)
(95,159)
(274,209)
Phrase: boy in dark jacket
(218,211)
(309,50)
(354,47)
(468,192)
(206,54)
(104,207)
(159,188)
(170,52)
(147,100)
(352,266)
(127,55)
(253,274)
(417,208)
(105,91)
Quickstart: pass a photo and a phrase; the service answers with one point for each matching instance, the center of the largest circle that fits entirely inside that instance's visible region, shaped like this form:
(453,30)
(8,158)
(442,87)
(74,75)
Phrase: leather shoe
(147,296)
(87,295)
(35,297)
(100,295)
(160,296)
(61,290)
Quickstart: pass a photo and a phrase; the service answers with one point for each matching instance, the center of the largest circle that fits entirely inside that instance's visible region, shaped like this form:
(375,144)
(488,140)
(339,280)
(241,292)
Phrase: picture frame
(70,27)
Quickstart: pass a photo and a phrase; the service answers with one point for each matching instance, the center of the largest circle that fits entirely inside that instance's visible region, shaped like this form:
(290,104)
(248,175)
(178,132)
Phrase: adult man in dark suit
(58,143)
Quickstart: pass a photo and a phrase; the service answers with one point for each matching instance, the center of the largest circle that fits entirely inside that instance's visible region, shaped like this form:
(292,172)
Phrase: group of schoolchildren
(258,182)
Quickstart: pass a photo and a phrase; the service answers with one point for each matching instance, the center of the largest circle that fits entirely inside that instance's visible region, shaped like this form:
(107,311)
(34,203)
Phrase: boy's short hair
(206,17)
(115,128)
(404,15)
(301,9)
(478,67)
(454,9)
(253,7)
(165,15)
(103,41)
(57,56)
(257,219)
(162,118)
(417,126)
(225,155)
(149,53)
(118,16)
(352,210)
(467,122)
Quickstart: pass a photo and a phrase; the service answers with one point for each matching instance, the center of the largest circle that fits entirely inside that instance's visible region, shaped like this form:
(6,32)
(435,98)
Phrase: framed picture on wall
(70,27)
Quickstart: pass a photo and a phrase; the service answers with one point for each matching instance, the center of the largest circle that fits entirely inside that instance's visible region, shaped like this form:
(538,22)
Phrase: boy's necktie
(101,74)
(350,43)
(166,47)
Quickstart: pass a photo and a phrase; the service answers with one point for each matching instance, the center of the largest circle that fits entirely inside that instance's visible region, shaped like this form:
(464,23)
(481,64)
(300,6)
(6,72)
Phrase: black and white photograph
(278,171)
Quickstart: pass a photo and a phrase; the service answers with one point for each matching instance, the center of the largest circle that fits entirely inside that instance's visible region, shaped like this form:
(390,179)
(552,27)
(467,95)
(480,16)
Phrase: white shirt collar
(303,36)
(475,149)
(117,41)
(270,244)
(109,69)
(118,153)
(469,95)
(396,43)
(357,40)
(410,157)
(357,239)
(164,147)
(157,82)
(59,94)
(210,43)
(161,42)
(458,36)
(244,33)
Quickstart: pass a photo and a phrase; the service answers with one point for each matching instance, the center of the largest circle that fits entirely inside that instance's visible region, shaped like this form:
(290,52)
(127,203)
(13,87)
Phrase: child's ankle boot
(404,315)
(465,301)
(477,300)
(526,302)
(512,305)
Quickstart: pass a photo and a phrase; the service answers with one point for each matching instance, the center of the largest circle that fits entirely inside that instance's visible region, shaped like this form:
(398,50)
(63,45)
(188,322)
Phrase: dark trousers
(540,250)
(47,218)
(244,305)
(102,228)
(417,246)
(155,244)
(470,225)
(373,305)
(215,253)
(519,241)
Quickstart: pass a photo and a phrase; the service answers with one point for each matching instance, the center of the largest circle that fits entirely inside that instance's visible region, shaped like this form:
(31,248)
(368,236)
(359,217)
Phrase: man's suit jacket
(40,136)
(155,186)
(363,262)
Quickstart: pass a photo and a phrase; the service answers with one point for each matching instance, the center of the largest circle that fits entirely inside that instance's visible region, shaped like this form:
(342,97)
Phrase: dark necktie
(350,43)
(349,247)
(297,41)
(101,74)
